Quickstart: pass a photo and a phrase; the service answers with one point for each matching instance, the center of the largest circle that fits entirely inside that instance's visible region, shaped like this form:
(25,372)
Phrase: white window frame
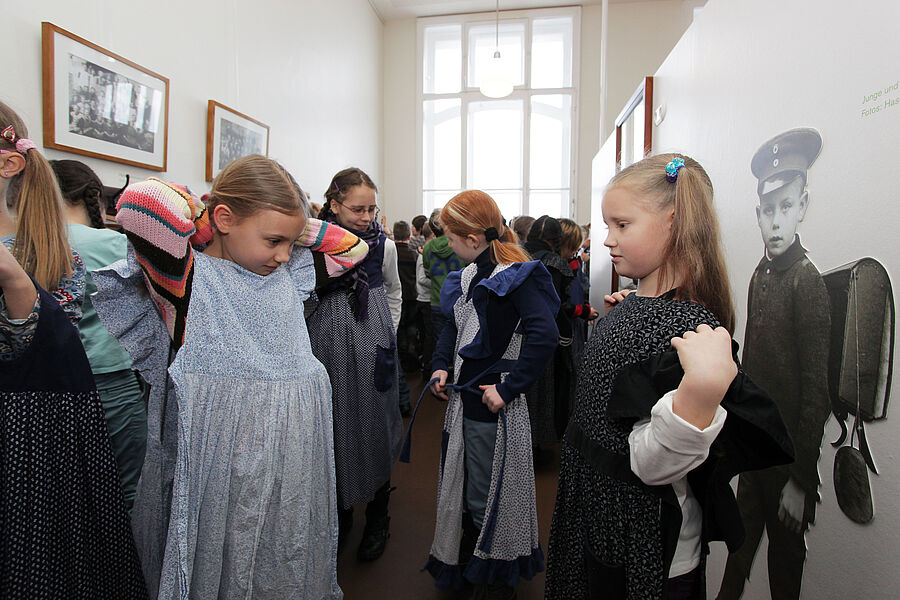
(524,92)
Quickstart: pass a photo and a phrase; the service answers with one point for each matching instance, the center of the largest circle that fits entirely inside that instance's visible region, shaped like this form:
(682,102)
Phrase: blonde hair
(472,212)
(253,183)
(694,249)
(41,246)
(571,239)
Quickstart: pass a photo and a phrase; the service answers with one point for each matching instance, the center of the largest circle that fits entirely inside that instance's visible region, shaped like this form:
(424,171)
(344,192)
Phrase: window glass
(495,144)
(433,199)
(442,64)
(551,53)
(548,202)
(508,201)
(482,44)
(551,140)
(441,144)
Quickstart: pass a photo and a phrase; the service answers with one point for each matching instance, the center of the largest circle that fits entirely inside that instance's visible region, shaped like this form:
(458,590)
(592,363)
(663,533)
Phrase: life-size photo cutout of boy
(786,349)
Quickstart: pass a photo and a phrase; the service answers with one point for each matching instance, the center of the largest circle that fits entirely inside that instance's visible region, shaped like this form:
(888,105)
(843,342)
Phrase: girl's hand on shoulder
(491,398)
(709,369)
(611,300)
(439,387)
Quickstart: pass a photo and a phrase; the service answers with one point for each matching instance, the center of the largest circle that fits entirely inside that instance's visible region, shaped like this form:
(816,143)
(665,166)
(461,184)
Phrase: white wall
(743,73)
(312,71)
(641,35)
(402,200)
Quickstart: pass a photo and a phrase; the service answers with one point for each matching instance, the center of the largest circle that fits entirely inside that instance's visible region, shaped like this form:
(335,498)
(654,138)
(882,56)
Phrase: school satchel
(860,364)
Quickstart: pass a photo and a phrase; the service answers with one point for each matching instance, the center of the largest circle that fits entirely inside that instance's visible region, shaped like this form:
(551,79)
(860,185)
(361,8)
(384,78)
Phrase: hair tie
(490,234)
(23,145)
(672,168)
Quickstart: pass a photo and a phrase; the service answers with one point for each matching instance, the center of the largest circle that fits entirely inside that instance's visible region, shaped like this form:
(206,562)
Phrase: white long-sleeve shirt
(391,275)
(663,450)
(423,284)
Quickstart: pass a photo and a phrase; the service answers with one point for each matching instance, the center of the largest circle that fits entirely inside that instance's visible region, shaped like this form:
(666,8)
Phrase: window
(519,149)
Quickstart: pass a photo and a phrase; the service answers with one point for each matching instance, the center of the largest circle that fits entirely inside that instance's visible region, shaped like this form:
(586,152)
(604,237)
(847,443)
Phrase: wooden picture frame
(100,104)
(634,124)
(230,135)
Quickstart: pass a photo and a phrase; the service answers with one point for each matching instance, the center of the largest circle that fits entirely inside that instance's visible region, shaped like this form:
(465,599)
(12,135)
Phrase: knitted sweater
(163,220)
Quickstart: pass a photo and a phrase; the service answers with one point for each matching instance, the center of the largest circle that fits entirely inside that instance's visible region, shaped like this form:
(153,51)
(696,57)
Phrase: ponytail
(507,249)
(41,247)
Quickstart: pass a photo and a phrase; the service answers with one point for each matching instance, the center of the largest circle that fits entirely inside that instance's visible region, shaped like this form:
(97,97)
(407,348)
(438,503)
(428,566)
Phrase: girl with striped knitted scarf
(237,493)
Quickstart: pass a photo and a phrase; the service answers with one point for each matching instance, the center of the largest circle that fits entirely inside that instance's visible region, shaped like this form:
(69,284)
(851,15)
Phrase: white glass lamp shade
(496,83)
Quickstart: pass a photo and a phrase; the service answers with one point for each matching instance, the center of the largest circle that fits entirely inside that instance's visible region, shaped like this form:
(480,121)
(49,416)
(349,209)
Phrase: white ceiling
(390,10)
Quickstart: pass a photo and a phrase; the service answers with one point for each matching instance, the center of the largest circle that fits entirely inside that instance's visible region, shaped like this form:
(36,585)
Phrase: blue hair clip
(672,168)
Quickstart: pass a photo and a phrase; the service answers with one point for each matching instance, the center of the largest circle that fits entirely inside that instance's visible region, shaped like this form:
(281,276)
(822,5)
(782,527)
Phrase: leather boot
(374,539)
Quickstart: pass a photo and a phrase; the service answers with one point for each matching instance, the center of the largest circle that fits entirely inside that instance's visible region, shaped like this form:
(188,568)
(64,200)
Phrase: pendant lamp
(495,82)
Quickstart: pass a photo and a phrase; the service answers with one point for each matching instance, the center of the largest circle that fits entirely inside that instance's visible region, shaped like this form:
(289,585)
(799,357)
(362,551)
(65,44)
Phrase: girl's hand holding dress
(709,369)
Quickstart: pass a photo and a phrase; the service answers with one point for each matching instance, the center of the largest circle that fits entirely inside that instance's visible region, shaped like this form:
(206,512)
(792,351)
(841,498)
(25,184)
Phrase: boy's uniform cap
(787,155)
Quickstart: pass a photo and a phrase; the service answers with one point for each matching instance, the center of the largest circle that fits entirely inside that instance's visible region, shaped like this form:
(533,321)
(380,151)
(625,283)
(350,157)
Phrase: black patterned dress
(615,521)
(611,532)
(64,531)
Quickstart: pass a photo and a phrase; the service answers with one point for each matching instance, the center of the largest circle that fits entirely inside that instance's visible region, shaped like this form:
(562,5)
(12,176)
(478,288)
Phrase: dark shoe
(374,540)
(500,591)
(345,524)
(405,410)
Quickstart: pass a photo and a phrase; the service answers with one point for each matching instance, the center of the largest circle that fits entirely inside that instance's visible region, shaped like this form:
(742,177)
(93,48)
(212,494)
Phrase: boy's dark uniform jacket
(786,351)
(754,437)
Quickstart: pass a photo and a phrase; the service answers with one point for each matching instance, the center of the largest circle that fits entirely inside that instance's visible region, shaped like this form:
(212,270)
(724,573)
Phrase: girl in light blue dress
(237,494)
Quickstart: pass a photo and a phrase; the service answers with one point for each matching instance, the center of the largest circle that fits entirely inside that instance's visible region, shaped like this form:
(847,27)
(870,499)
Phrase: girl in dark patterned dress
(649,452)
(64,530)
(353,332)
(499,335)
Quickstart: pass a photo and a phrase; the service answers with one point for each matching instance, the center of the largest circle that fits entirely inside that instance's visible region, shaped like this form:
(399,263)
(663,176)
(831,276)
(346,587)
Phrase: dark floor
(396,575)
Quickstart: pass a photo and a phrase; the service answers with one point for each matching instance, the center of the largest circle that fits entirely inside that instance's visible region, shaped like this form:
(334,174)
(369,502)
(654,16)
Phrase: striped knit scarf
(358,279)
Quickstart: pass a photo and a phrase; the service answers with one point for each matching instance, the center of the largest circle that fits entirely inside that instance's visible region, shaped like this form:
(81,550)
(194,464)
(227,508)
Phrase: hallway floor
(396,575)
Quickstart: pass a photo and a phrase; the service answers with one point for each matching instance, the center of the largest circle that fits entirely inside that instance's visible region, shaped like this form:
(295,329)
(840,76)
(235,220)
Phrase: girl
(65,530)
(236,497)
(640,493)
(578,307)
(499,335)
(549,400)
(353,330)
(120,389)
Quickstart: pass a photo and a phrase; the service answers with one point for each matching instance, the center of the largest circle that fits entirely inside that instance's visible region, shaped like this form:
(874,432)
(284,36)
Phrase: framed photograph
(231,135)
(100,104)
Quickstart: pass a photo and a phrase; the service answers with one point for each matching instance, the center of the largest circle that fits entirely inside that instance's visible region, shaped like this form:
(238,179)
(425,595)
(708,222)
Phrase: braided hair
(80,185)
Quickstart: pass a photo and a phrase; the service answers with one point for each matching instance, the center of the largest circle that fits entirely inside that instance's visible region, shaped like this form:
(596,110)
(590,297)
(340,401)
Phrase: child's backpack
(860,364)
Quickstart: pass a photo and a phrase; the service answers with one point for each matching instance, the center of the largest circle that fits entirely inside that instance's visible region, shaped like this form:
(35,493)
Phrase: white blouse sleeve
(665,447)
(391,276)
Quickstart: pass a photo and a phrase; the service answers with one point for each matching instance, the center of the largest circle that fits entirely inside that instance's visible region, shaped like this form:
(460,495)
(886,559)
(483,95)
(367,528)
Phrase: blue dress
(245,440)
